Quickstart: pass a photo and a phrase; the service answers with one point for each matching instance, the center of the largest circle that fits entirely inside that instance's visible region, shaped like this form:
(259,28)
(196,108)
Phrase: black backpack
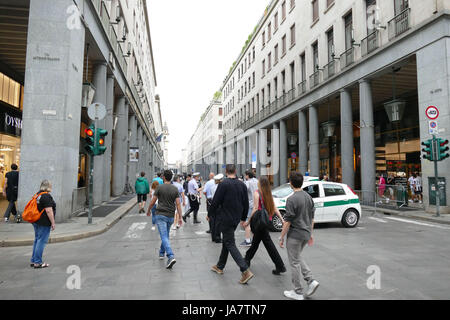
(260,220)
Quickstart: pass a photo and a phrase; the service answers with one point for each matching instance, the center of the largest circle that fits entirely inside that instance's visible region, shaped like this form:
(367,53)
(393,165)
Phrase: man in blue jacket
(231,196)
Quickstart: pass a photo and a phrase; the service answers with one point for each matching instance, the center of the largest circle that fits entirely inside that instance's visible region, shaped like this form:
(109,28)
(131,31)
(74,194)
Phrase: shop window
(11,92)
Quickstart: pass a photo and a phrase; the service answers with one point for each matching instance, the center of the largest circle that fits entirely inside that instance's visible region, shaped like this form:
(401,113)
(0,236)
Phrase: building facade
(56,58)
(346,85)
(200,152)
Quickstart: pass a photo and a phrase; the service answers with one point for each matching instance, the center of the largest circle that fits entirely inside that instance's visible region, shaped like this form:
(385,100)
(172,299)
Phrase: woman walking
(263,197)
(142,190)
(45,223)
(155,185)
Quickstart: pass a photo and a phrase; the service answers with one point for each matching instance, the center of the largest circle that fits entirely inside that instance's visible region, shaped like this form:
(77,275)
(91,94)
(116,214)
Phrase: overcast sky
(194,45)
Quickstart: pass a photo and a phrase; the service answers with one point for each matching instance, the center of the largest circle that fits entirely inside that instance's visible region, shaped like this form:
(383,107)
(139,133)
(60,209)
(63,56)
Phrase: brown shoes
(216,270)
(246,276)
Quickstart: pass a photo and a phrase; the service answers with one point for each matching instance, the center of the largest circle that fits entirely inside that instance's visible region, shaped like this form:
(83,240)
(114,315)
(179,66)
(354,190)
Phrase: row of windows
(313,52)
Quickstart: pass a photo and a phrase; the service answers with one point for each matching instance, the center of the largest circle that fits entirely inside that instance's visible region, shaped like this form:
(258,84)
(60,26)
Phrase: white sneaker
(6,219)
(174,228)
(312,288)
(293,295)
(153,228)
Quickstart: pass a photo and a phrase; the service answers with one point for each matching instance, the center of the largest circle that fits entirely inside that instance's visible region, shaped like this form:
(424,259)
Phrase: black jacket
(232,199)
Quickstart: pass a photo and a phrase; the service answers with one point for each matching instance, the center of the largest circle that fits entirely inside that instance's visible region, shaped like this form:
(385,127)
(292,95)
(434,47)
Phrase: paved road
(413,257)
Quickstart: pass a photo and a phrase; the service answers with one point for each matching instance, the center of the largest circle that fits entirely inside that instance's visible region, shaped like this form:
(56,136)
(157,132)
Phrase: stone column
(314,141)
(140,145)
(347,162)
(302,142)
(120,148)
(132,166)
(247,154)
(258,157)
(53,81)
(368,180)
(235,155)
(276,173)
(99,82)
(108,139)
(283,152)
(433,79)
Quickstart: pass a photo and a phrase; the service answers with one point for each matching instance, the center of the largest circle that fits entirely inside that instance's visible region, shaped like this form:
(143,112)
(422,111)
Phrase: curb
(405,215)
(106,224)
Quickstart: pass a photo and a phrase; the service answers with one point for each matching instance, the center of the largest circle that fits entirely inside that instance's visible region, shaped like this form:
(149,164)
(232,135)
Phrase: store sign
(10,121)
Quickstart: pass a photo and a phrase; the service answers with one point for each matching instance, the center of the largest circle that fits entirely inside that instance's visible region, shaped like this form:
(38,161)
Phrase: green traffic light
(101,134)
(443,148)
(90,143)
(428,150)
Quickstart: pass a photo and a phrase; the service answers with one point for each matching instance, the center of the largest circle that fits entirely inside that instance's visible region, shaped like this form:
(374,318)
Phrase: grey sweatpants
(297,263)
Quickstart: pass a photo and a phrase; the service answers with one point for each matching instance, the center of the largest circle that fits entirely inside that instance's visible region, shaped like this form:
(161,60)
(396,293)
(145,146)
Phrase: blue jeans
(154,215)
(164,223)
(41,234)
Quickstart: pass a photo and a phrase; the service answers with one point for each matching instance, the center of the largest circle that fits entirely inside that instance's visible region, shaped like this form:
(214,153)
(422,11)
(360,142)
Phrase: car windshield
(282,191)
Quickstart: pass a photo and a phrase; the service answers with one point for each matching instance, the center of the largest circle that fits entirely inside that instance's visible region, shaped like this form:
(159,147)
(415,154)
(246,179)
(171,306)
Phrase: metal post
(436,175)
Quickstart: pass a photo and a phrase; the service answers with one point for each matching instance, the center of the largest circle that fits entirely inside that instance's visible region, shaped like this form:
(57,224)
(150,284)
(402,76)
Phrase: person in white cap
(194,197)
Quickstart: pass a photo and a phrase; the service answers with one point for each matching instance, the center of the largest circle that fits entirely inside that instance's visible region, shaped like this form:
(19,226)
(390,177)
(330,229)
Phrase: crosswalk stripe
(135,230)
(378,219)
(419,223)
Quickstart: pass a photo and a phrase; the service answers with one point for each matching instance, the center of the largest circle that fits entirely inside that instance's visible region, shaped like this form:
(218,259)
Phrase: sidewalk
(22,234)
(412,214)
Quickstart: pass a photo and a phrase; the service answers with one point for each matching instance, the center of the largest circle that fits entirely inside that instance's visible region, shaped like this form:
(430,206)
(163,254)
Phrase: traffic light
(442,149)
(101,134)
(428,150)
(90,143)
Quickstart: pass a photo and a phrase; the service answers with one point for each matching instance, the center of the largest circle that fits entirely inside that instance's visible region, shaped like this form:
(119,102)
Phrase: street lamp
(87,94)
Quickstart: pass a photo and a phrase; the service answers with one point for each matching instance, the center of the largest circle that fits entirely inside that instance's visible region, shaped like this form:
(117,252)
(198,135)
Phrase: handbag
(260,220)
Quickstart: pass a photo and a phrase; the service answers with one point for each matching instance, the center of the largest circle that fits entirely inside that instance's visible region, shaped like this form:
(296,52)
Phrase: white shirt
(417,182)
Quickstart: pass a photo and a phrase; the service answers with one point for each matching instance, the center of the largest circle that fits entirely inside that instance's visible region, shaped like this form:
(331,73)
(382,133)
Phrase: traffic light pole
(91,175)
(436,176)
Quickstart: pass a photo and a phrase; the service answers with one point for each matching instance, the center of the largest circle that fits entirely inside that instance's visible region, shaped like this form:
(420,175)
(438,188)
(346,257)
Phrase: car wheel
(350,218)
(277,225)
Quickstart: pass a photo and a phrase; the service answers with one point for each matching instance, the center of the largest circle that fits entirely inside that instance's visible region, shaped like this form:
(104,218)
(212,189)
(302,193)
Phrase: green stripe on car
(340,202)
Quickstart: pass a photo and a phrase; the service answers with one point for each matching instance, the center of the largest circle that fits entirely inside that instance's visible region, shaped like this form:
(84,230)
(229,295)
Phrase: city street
(123,263)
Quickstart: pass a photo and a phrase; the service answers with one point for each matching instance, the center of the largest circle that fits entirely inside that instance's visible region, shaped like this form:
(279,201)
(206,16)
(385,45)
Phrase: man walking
(252,185)
(208,194)
(231,196)
(10,190)
(299,223)
(194,198)
(168,201)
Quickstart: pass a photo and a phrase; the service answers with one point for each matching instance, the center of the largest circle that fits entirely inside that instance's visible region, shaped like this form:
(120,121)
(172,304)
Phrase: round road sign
(432,112)
(96,111)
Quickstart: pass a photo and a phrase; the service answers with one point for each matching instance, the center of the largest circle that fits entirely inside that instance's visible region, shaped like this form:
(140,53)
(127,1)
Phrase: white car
(334,202)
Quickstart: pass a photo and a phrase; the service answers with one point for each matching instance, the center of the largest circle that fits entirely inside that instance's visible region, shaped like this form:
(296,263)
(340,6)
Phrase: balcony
(291,95)
(314,80)
(301,88)
(329,70)
(400,24)
(347,58)
(370,43)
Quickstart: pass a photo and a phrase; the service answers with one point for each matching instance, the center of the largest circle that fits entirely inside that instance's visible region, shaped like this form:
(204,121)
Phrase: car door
(336,199)
(315,192)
